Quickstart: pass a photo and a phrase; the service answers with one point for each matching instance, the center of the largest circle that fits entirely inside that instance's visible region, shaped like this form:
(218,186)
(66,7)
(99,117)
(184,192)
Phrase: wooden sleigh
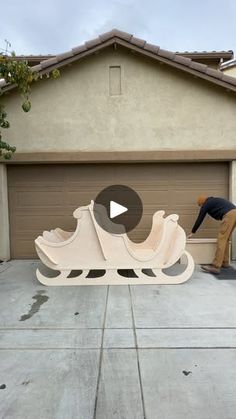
(92,249)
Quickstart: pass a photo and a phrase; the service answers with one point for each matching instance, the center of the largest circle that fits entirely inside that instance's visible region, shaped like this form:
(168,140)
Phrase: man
(219,209)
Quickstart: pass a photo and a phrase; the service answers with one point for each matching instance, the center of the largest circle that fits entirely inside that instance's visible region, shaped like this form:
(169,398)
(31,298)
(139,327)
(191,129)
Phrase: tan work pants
(227,226)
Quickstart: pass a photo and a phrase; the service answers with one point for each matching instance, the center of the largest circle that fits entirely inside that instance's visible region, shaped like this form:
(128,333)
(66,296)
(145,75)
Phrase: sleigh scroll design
(92,256)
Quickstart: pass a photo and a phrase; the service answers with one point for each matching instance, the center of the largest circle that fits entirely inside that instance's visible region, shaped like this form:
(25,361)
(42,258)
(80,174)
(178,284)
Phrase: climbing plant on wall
(21,75)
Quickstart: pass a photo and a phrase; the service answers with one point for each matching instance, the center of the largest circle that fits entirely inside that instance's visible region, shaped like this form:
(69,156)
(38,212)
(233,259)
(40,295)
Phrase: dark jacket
(215,207)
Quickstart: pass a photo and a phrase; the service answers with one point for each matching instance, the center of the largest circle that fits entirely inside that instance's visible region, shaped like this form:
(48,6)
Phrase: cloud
(56,26)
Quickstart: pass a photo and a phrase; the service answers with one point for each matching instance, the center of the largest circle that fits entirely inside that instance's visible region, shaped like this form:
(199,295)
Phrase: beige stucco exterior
(159,108)
(230,71)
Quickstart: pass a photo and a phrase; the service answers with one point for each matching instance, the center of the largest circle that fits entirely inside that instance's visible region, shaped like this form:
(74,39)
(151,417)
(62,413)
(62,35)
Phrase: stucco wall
(159,108)
(230,71)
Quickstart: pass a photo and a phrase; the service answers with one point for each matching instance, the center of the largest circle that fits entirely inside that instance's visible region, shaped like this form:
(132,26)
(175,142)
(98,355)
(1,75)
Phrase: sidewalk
(124,352)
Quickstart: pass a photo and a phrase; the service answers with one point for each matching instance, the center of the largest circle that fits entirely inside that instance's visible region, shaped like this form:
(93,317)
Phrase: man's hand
(189,236)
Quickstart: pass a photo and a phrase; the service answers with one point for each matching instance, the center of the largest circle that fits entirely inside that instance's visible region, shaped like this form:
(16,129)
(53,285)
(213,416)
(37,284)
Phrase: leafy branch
(20,74)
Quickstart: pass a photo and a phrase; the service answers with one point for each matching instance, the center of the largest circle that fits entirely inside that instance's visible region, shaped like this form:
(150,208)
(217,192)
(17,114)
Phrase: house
(229,68)
(123,112)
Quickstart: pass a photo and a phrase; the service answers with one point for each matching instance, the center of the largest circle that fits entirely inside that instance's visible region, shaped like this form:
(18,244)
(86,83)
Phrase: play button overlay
(118,209)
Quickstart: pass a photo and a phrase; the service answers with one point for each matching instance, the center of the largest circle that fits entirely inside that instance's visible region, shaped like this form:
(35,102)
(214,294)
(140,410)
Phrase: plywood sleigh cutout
(92,249)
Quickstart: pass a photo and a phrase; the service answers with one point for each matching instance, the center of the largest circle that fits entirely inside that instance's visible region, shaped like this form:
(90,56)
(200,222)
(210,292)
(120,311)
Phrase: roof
(225,55)
(211,56)
(32,59)
(127,40)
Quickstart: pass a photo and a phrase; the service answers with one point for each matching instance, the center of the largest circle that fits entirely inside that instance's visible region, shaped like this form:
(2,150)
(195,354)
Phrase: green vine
(20,74)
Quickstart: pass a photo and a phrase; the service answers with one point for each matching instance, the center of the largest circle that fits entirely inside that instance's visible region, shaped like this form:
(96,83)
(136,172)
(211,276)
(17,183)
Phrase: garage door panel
(141,173)
(76,199)
(38,223)
(27,245)
(45,211)
(32,198)
(154,197)
(36,175)
(208,228)
(85,174)
(188,197)
(43,197)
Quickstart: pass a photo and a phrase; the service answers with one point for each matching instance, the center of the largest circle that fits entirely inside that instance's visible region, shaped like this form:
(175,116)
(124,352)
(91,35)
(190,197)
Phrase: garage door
(42,197)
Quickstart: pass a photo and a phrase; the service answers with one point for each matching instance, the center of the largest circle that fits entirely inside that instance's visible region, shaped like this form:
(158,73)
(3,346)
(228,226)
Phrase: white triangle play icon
(116,209)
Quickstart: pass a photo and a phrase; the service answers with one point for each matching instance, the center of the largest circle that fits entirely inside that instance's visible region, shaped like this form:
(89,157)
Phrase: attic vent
(114,80)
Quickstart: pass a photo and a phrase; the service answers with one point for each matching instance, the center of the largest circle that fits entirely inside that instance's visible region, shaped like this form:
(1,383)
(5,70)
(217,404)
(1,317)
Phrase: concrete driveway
(125,352)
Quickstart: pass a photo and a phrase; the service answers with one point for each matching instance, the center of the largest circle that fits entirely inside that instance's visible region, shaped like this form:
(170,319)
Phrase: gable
(157,108)
(140,46)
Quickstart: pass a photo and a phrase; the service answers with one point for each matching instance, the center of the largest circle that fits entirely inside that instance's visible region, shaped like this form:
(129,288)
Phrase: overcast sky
(55,26)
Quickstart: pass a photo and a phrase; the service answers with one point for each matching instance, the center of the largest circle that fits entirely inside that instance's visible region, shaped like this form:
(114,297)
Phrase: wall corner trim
(4,225)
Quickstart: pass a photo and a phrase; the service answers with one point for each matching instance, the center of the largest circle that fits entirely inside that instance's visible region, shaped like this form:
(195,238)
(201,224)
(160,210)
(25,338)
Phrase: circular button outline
(124,195)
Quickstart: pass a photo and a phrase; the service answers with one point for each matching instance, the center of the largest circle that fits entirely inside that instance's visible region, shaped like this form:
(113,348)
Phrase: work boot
(211,269)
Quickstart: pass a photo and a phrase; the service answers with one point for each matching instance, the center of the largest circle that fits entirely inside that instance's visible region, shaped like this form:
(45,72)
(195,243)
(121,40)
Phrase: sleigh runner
(91,248)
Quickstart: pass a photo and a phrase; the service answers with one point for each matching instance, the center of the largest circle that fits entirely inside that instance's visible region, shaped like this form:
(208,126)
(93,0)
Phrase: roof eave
(148,50)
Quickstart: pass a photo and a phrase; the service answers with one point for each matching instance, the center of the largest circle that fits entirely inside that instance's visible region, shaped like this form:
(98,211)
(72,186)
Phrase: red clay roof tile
(182,60)
(151,48)
(214,73)
(93,42)
(198,66)
(166,54)
(107,35)
(138,42)
(79,49)
(65,55)
(229,79)
(49,62)
(123,35)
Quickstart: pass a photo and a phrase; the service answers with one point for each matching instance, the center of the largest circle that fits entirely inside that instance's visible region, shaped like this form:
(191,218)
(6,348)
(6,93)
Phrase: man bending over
(219,209)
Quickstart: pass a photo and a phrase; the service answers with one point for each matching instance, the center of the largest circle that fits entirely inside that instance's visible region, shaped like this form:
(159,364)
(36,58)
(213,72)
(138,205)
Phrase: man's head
(201,200)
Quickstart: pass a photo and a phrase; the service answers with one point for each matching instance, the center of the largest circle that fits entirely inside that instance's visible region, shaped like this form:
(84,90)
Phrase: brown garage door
(42,197)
